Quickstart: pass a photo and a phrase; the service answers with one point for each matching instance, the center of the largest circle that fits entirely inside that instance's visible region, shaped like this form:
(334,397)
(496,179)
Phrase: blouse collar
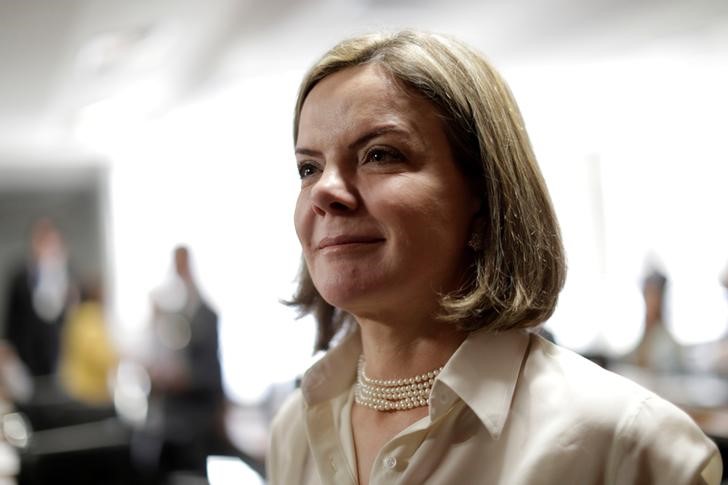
(482,372)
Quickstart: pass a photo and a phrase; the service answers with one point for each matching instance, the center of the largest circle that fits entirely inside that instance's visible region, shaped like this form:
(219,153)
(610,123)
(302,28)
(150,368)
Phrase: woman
(431,248)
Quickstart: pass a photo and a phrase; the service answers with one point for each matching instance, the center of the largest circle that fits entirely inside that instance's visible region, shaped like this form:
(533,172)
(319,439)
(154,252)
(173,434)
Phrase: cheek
(432,215)
(302,220)
(418,201)
(413,218)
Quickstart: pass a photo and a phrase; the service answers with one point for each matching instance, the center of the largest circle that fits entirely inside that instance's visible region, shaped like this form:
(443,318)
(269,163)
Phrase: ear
(478,221)
(475,241)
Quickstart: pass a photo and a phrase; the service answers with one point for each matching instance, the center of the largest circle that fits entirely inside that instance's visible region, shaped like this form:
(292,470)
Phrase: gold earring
(476,241)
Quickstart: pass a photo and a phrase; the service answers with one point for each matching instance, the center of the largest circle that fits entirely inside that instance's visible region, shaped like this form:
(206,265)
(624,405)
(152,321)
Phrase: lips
(348,240)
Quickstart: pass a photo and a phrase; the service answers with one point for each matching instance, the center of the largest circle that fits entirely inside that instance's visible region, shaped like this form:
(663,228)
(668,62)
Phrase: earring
(476,241)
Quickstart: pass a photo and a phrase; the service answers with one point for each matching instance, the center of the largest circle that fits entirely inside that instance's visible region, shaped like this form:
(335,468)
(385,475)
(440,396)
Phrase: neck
(407,347)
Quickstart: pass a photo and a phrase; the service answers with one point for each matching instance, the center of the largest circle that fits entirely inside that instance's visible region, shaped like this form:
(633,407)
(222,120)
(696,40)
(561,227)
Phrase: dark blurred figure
(185,418)
(657,350)
(39,294)
(15,382)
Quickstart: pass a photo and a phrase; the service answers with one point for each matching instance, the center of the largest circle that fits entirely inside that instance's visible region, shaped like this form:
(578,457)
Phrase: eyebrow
(379,131)
(308,152)
(363,139)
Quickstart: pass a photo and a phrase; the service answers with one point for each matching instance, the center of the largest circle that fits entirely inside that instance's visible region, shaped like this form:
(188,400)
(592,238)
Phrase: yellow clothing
(507,409)
(87,355)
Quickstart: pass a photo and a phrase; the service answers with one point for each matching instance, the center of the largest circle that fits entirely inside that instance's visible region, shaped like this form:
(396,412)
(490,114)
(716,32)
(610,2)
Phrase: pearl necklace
(393,394)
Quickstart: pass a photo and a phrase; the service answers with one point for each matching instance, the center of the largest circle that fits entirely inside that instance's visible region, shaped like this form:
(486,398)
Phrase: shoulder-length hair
(519,266)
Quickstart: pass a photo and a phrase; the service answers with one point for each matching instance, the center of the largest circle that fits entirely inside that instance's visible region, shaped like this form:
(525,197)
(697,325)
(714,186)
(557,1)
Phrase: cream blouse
(508,408)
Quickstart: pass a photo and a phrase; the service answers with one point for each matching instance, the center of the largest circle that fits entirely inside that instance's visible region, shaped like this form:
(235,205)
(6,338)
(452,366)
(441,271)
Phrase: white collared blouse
(508,409)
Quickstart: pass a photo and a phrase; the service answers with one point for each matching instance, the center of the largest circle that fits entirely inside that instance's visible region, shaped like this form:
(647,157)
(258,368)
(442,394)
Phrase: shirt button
(390,462)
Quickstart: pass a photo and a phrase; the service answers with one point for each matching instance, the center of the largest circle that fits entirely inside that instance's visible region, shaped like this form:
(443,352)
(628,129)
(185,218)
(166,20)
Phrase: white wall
(633,152)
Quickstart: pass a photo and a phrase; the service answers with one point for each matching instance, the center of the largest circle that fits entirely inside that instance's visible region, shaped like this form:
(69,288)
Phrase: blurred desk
(92,453)
(703,396)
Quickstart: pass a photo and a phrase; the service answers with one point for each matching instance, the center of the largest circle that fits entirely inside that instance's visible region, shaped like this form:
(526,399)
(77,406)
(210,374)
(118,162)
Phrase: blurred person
(39,294)
(185,419)
(720,352)
(431,256)
(88,356)
(657,350)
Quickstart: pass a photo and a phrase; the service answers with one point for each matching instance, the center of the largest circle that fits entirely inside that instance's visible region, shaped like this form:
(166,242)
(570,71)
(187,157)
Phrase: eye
(306,169)
(383,155)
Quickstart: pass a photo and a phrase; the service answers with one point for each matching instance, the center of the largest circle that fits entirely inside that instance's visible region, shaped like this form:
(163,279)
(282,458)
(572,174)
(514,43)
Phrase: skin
(383,217)
(47,242)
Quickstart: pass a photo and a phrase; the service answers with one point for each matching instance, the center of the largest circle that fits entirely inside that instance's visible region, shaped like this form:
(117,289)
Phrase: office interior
(137,128)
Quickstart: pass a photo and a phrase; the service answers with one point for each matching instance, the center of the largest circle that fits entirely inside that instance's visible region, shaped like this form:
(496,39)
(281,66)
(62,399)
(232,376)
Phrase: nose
(333,192)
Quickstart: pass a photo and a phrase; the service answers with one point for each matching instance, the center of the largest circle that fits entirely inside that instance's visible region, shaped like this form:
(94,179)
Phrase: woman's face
(384,213)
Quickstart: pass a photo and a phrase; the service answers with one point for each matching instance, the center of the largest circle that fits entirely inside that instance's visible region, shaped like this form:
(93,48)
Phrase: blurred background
(147,184)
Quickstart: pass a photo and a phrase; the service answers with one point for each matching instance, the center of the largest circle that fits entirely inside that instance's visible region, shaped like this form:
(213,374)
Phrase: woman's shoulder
(290,414)
(578,377)
(593,393)
(287,443)
(644,433)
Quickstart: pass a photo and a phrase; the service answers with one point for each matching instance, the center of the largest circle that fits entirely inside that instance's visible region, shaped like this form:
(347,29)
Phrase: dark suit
(189,411)
(186,423)
(35,339)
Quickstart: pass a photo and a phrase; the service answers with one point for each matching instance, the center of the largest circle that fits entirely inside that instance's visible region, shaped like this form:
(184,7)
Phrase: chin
(340,297)
(349,294)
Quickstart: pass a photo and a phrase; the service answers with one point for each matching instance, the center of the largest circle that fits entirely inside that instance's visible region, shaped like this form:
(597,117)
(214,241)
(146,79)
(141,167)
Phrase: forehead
(364,95)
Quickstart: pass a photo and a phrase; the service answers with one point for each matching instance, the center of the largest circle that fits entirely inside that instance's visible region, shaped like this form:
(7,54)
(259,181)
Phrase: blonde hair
(519,266)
